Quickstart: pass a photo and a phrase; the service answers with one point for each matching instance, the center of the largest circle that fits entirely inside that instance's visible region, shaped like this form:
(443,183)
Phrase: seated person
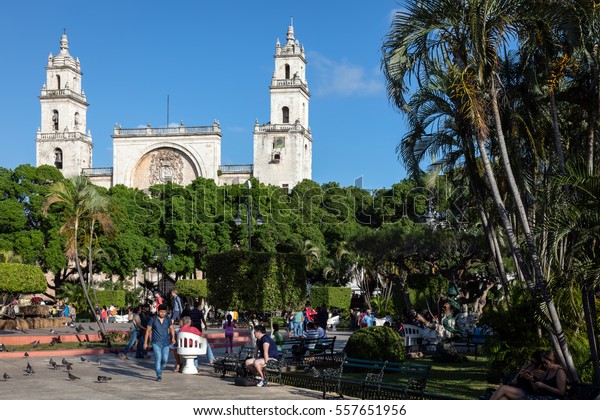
(186,326)
(277,336)
(321,333)
(554,383)
(522,384)
(265,349)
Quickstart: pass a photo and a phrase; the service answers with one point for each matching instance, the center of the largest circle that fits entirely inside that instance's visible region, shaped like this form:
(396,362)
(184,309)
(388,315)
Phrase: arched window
(55,119)
(58,158)
(76,120)
(287,71)
(285,111)
(58,80)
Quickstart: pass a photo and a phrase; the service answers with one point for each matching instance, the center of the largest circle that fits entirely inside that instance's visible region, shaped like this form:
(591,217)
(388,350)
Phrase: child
(229,326)
(277,336)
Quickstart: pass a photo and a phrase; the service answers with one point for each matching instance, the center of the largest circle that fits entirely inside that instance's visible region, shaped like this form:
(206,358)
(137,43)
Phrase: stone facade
(143,157)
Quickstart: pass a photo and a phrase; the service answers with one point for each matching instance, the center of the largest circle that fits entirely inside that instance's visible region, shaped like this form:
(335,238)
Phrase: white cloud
(343,78)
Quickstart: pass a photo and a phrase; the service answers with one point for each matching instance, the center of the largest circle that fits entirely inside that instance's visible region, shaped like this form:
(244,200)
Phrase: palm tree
(83,205)
(465,39)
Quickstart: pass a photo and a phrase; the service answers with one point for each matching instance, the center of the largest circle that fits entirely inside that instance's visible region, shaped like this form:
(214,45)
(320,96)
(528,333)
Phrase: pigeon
(52,331)
(52,362)
(29,369)
(64,361)
(83,359)
(69,367)
(79,329)
(73,377)
(26,354)
(102,378)
(54,365)
(91,329)
(6,377)
(53,342)
(36,344)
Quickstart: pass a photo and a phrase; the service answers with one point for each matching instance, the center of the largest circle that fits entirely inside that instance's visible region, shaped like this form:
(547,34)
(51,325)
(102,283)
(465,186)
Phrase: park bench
(415,384)
(274,367)
(299,346)
(234,362)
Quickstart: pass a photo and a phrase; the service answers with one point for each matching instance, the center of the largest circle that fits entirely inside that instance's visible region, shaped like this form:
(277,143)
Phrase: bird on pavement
(73,377)
(54,365)
(83,359)
(79,328)
(51,361)
(29,369)
(70,367)
(64,361)
(91,329)
(26,354)
(52,331)
(6,377)
(104,378)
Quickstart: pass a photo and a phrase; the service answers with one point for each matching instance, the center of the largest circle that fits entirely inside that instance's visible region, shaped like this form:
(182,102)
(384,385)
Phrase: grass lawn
(465,381)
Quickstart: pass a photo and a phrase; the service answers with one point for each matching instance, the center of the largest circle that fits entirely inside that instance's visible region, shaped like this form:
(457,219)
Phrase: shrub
(111,297)
(21,278)
(376,343)
(331,297)
(192,288)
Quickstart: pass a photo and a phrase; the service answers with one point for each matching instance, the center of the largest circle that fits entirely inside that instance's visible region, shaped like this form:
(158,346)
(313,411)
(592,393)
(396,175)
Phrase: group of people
(542,378)
(299,320)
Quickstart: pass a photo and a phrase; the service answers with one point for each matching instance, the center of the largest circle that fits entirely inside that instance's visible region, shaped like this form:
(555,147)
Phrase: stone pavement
(132,379)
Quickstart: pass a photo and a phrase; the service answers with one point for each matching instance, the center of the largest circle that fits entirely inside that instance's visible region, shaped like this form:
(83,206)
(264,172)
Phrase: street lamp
(248,205)
(163,252)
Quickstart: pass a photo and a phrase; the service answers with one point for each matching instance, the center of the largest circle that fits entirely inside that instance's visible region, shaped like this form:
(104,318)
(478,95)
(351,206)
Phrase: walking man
(177,306)
(162,332)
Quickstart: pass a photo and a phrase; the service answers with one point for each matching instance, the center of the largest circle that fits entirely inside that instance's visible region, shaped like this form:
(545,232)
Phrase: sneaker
(158,379)
(261,383)
(123,356)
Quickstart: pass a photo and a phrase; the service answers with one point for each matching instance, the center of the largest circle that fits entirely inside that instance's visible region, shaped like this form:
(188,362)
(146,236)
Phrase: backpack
(246,381)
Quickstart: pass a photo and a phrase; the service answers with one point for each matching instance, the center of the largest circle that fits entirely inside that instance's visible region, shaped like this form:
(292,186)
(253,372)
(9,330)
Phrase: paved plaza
(132,379)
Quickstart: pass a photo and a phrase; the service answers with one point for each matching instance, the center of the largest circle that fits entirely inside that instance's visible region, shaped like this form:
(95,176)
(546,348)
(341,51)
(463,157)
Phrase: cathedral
(143,157)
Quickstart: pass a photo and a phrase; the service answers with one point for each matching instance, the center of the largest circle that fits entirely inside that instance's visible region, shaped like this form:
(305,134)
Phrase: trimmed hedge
(376,343)
(22,278)
(192,288)
(331,297)
(256,281)
(111,297)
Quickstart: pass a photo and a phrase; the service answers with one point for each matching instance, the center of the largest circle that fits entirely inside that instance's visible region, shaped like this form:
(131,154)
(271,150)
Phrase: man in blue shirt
(369,319)
(265,349)
(177,305)
(161,330)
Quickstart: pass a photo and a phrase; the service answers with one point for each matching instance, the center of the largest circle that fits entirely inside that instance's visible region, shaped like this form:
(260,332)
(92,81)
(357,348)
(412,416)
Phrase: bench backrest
(397,367)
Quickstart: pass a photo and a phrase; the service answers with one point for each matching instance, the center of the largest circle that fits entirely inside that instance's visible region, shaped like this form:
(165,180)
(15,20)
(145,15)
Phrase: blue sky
(215,60)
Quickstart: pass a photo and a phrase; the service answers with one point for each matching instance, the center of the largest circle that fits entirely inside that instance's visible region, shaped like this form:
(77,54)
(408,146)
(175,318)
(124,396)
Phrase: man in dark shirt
(140,352)
(197,316)
(160,328)
(265,349)
(322,317)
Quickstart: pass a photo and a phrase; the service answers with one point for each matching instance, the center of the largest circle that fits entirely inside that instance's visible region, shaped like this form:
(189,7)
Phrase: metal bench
(234,362)
(415,385)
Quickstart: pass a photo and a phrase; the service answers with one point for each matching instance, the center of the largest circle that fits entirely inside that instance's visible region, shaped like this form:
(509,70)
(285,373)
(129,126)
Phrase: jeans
(139,351)
(298,329)
(161,356)
(132,340)
(209,355)
(176,315)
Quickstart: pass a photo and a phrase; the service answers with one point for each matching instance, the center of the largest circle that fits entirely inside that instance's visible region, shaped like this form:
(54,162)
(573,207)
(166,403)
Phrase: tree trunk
(587,296)
(540,280)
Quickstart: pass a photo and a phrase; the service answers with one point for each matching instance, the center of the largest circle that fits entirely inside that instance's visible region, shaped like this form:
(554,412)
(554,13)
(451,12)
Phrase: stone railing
(290,82)
(63,135)
(235,169)
(97,171)
(281,127)
(63,92)
(148,131)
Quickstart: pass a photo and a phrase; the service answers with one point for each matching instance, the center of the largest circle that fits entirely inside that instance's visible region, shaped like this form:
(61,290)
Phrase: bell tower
(283,146)
(62,141)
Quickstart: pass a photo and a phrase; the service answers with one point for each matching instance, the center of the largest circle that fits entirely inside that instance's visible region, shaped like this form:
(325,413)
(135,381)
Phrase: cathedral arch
(285,113)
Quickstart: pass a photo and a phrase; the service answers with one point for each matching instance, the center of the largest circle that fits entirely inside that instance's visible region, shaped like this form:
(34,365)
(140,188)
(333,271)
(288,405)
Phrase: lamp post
(161,253)
(248,205)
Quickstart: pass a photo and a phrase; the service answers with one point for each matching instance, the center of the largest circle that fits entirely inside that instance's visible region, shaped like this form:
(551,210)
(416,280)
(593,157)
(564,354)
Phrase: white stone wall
(141,160)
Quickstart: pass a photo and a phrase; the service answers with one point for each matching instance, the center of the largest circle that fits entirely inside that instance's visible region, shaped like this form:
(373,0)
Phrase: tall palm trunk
(540,280)
(85,291)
